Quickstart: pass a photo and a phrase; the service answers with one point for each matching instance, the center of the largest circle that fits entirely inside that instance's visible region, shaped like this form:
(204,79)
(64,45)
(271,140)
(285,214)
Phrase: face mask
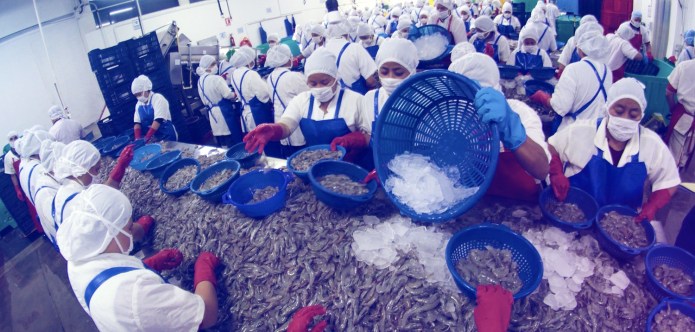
(130,241)
(530,49)
(622,129)
(423,21)
(484,35)
(635,24)
(272,44)
(443,15)
(324,94)
(144,99)
(390,84)
(507,15)
(214,70)
(465,16)
(316,40)
(367,43)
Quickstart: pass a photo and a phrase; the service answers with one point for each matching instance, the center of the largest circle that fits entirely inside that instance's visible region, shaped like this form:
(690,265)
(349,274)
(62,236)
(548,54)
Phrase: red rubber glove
(351,141)
(494,309)
(204,269)
(541,97)
(146,222)
(672,59)
(558,180)
(20,193)
(489,50)
(124,160)
(650,56)
(259,137)
(656,201)
(371,177)
(137,132)
(166,259)
(149,134)
(304,316)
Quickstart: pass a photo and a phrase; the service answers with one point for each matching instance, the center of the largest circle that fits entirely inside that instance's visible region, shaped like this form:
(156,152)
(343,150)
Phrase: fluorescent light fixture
(120,11)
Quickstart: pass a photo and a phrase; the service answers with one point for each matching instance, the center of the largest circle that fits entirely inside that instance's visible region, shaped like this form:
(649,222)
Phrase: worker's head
(479,67)
(465,12)
(273,39)
(636,18)
(396,60)
(404,24)
(366,34)
(507,10)
(626,104)
(484,26)
(379,24)
(208,65)
(496,3)
(80,160)
(322,75)
(587,18)
(142,88)
(396,13)
(280,56)
(443,8)
(462,49)
(318,33)
(529,40)
(55,113)
(424,17)
(30,143)
(338,29)
(101,222)
(540,5)
(419,3)
(688,37)
(50,151)
(591,42)
(12,137)
(243,57)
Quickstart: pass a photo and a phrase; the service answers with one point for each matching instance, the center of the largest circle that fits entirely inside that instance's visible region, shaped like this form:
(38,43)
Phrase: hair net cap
(446,3)
(507,7)
(338,29)
(484,24)
(30,143)
(363,29)
(396,11)
(49,152)
(479,67)
(318,29)
(462,49)
(205,62)
(242,57)
(590,39)
(142,83)
(278,56)
(627,88)
(540,5)
(12,133)
(465,9)
(55,113)
(537,15)
(76,160)
(101,212)
(636,14)
(496,3)
(400,51)
(273,37)
(689,36)
(321,61)
(625,32)
(404,22)
(528,32)
(380,21)
(587,19)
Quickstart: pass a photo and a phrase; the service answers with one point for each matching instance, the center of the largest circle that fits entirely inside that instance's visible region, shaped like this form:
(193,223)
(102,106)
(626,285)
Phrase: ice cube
(620,280)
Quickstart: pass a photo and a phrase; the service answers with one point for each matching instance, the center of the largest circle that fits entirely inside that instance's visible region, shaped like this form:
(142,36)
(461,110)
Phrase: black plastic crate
(118,95)
(149,63)
(641,68)
(124,110)
(107,127)
(160,80)
(101,59)
(145,45)
(115,76)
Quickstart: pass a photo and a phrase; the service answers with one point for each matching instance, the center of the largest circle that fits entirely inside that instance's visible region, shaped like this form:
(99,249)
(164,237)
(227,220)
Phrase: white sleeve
(164,307)
(295,111)
(366,64)
(503,49)
(9,170)
(546,59)
(563,98)
(661,167)
(674,78)
(498,20)
(222,87)
(368,104)
(459,32)
(566,54)
(562,142)
(512,58)
(628,51)
(161,107)
(515,22)
(297,84)
(553,44)
(136,116)
(259,87)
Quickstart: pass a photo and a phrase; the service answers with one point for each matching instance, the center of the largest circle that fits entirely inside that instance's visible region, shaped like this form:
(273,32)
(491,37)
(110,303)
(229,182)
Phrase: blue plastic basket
(241,192)
(141,152)
(171,169)
(238,152)
(680,305)
(574,195)
(524,254)
(508,72)
(542,74)
(615,248)
(673,257)
(215,194)
(433,114)
(116,145)
(103,142)
(333,199)
(532,86)
(428,30)
(304,175)
(157,164)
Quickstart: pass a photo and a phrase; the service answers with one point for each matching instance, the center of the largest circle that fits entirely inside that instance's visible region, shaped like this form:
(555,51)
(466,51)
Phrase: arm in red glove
(354,140)
(558,180)
(304,316)
(259,137)
(124,160)
(150,133)
(650,56)
(145,223)
(494,309)
(137,131)
(204,269)
(656,201)
(204,283)
(371,176)
(541,97)
(20,193)
(166,259)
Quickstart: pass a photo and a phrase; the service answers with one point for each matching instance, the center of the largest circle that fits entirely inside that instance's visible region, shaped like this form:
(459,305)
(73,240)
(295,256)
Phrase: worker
(488,41)
(461,50)
(507,24)
(356,68)
(473,8)
(552,12)
(467,19)
(688,52)
(273,39)
(318,39)
(124,293)
(367,37)
(225,117)
(379,25)
(612,158)
(64,130)
(353,22)
(404,25)
(524,162)
(424,17)
(569,52)
(641,40)
(46,188)
(302,35)
(621,51)
(529,55)
(486,9)
(151,112)
(10,160)
(420,7)
(582,90)
(30,167)
(284,85)
(324,113)
(546,39)
(394,15)
(451,23)
(680,95)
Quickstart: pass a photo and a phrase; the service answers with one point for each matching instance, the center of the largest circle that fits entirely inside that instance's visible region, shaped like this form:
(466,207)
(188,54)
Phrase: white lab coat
(215,88)
(309,49)
(62,206)
(160,106)
(548,41)
(503,51)
(289,85)
(47,188)
(577,85)
(683,80)
(688,53)
(351,111)
(547,63)
(621,51)
(552,13)
(66,131)
(355,62)
(370,114)
(532,124)
(642,30)
(376,40)
(513,21)
(566,55)
(252,86)
(226,68)
(137,300)
(454,25)
(29,184)
(10,158)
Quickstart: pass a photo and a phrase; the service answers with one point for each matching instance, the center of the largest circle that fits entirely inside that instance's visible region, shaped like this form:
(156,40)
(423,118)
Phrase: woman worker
(124,293)
(29,168)
(546,39)
(11,159)
(487,40)
(451,23)
(640,41)
(225,117)
(47,187)
(318,39)
(528,55)
(680,95)
(569,52)
(356,68)
(367,37)
(507,24)
(688,52)
(613,157)
(151,112)
(621,51)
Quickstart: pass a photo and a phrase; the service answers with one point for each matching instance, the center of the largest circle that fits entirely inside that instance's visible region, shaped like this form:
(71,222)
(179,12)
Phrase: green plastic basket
(655,90)
(566,25)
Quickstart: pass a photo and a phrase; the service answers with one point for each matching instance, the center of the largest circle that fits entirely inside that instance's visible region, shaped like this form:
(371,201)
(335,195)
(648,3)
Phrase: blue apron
(105,275)
(690,56)
(262,112)
(166,129)
(575,56)
(323,131)
(359,86)
(230,112)
(601,89)
(480,47)
(372,50)
(505,30)
(609,184)
(392,27)
(468,26)
(529,61)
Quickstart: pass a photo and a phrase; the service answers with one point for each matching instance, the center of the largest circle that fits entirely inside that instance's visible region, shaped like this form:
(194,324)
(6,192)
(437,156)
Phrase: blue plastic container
(214,195)
(173,168)
(428,30)
(238,153)
(433,114)
(524,254)
(241,192)
(137,162)
(532,86)
(613,247)
(337,200)
(102,142)
(508,72)
(542,74)
(116,145)
(673,257)
(574,195)
(304,175)
(157,164)
(680,305)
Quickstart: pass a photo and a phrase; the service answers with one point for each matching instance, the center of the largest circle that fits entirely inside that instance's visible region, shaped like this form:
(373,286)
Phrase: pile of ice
(424,187)
(383,243)
(431,46)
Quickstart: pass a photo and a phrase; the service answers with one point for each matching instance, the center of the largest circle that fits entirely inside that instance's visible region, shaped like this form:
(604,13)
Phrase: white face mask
(622,129)
(390,84)
(316,39)
(635,24)
(465,16)
(130,241)
(144,99)
(443,15)
(423,21)
(324,94)
(530,49)
(214,70)
(484,35)
(507,15)
(367,43)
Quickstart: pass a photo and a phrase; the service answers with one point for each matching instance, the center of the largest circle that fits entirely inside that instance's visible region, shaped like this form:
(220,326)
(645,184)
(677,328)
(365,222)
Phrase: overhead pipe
(48,56)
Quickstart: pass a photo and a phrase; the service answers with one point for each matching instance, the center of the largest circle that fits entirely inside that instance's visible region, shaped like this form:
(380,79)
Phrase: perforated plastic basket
(157,164)
(673,257)
(215,194)
(428,30)
(334,199)
(137,162)
(680,305)
(508,72)
(238,152)
(240,193)
(613,247)
(433,114)
(527,258)
(171,170)
(304,175)
(574,195)
(532,86)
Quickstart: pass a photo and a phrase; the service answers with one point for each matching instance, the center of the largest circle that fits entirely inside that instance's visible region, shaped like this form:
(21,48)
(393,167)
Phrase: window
(108,12)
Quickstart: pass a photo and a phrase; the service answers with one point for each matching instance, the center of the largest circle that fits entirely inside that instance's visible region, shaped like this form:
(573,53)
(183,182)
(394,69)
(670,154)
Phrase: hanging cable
(48,56)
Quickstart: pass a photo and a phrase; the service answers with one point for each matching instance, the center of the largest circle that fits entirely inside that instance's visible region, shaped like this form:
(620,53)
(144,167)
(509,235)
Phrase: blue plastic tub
(241,192)
(574,195)
(508,72)
(115,146)
(433,114)
(103,142)
(304,175)
(615,248)
(337,200)
(532,86)
(542,74)
(499,237)
(245,159)
(173,168)
(428,30)
(137,162)
(680,305)
(159,163)
(214,195)
(673,257)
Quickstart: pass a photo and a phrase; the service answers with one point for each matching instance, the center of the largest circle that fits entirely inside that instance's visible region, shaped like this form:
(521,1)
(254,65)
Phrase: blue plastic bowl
(532,86)
(337,200)
(612,246)
(114,149)
(105,143)
(680,305)
(574,195)
(428,30)
(173,168)
(508,72)
(214,195)
(304,175)
(524,254)
(140,153)
(241,192)
(159,163)
(542,74)
(245,159)
(673,257)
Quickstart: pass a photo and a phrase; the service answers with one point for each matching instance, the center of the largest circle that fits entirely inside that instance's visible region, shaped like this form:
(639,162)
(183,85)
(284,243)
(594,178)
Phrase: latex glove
(489,50)
(494,309)
(656,201)
(650,56)
(558,180)
(672,59)
(541,97)
(372,176)
(124,160)
(492,107)
(138,132)
(352,141)
(149,134)
(204,269)
(146,222)
(259,137)
(20,193)
(304,316)
(166,259)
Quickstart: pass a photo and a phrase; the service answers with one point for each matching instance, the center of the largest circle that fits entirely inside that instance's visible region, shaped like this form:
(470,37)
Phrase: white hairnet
(141,84)
(12,133)
(465,8)
(398,50)
(484,24)
(278,56)
(461,49)
(587,19)
(591,41)
(76,160)
(242,57)
(321,61)
(404,22)
(354,20)
(334,17)
(205,62)
(446,3)
(625,32)
(507,7)
(528,32)
(318,29)
(689,37)
(49,152)
(636,14)
(363,29)
(540,5)
(627,88)
(496,3)
(537,15)
(479,67)
(273,37)
(396,11)
(55,113)
(30,143)
(101,212)
(338,29)
(380,21)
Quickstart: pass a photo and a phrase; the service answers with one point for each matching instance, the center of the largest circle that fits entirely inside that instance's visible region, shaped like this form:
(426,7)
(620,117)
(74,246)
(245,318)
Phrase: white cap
(404,22)
(55,113)
(141,84)
(627,88)
(479,67)
(242,57)
(484,24)
(101,212)
(587,19)
(322,61)
(446,3)
(273,37)
(507,6)
(363,29)
(278,56)
(461,49)
(526,33)
(591,41)
(398,50)
(76,160)
(338,29)
(537,15)
(12,133)
(540,5)
(318,29)
(49,152)
(625,32)
(496,3)
(380,21)
(205,62)
(30,143)
(396,11)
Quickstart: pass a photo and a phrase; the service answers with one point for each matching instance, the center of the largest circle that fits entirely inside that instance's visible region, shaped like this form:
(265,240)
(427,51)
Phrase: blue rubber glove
(493,108)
